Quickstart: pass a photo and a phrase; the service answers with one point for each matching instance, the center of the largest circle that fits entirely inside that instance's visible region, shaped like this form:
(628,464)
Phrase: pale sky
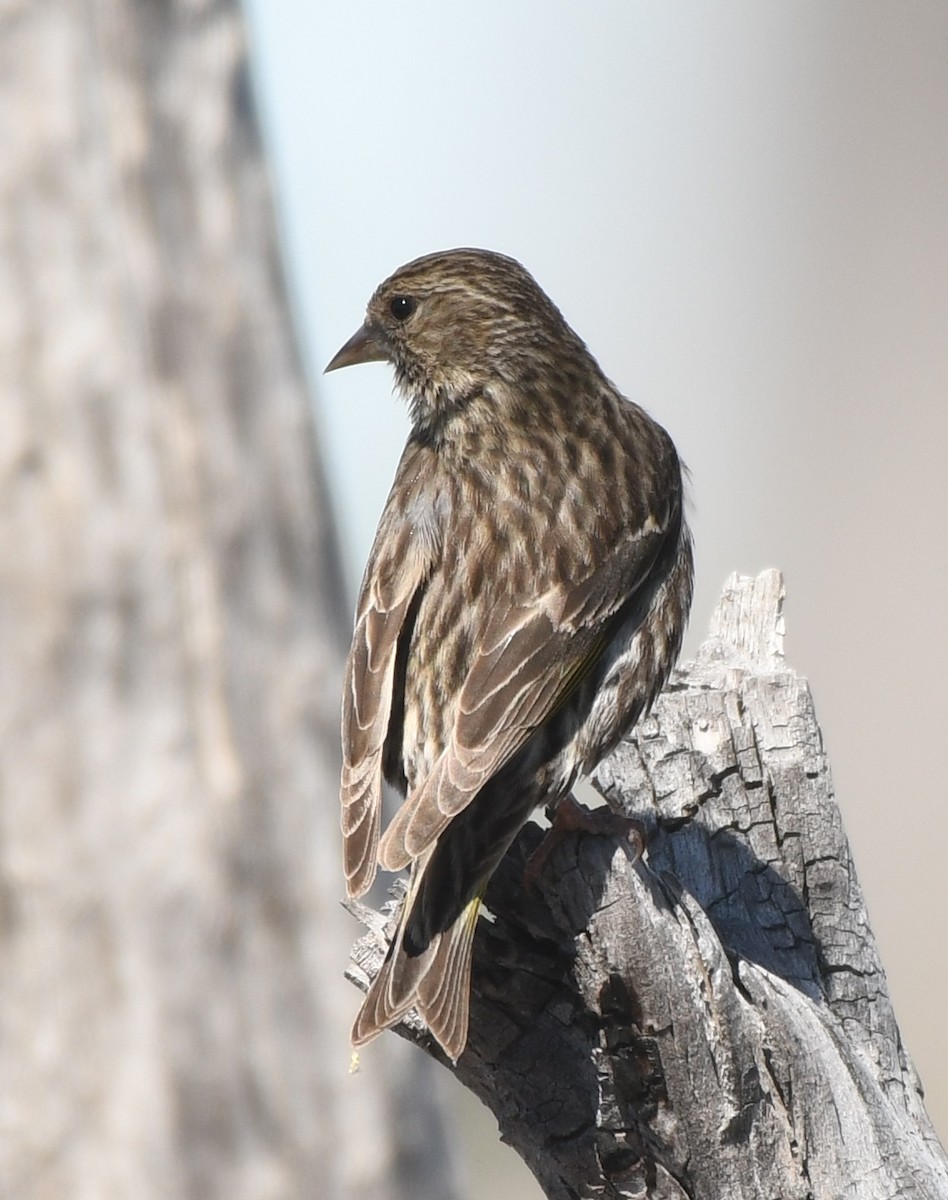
(743,210)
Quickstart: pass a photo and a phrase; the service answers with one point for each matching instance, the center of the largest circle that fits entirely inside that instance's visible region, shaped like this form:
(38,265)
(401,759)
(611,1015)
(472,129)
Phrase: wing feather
(366,710)
(530,661)
(398,567)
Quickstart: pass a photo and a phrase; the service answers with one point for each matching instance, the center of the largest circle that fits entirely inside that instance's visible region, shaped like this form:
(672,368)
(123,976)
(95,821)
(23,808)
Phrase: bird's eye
(402,307)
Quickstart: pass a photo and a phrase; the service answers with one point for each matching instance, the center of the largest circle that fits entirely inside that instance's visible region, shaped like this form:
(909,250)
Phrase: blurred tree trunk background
(172,1014)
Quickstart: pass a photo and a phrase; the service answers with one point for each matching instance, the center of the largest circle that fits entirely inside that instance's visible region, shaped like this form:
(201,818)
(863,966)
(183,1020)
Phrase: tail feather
(444,994)
(436,983)
(379,1009)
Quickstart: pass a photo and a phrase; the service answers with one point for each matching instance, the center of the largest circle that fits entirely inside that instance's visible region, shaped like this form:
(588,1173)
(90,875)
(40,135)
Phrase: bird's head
(457,324)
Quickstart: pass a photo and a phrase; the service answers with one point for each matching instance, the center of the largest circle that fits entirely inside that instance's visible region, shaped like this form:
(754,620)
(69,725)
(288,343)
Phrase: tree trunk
(712,1022)
(172,631)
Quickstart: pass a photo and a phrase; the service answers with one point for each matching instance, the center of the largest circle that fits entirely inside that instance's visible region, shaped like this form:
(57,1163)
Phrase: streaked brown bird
(523,603)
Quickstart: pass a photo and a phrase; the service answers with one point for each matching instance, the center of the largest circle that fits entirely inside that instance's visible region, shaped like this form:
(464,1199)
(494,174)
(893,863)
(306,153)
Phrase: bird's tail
(436,982)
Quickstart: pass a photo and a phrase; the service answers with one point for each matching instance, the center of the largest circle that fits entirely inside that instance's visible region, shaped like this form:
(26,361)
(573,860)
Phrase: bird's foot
(569,816)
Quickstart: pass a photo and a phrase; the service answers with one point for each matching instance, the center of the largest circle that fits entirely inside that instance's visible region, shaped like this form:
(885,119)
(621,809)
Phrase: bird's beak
(367,344)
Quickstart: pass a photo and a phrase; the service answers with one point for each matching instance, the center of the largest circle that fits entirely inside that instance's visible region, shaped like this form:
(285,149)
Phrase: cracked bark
(711,1021)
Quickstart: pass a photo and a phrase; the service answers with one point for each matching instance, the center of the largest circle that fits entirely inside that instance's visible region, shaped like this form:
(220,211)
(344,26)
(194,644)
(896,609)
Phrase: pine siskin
(523,603)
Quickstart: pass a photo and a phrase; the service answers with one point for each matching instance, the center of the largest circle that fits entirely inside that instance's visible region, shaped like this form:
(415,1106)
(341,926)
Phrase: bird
(523,604)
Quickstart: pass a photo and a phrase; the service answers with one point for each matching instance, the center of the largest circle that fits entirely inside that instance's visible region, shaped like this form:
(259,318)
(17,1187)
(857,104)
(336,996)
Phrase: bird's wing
(531,658)
(398,567)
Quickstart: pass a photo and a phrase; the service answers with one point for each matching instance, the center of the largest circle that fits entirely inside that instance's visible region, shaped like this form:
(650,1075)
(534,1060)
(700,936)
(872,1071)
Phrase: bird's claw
(570,816)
